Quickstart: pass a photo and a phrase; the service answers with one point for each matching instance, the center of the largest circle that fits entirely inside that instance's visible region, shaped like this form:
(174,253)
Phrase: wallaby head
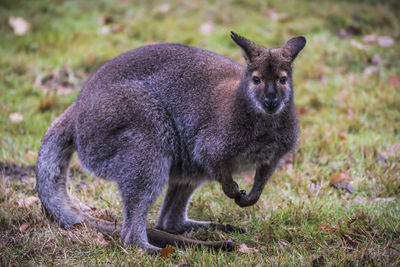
(267,79)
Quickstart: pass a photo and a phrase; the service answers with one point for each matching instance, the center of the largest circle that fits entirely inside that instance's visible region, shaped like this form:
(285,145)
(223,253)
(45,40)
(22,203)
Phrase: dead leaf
(167,251)
(342,136)
(341,180)
(385,41)
(24,227)
(19,25)
(292,229)
(100,240)
(207,28)
(301,110)
(245,249)
(16,117)
(394,81)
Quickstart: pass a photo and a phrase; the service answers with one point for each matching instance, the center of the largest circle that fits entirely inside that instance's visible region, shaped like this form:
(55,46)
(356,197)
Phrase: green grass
(300,219)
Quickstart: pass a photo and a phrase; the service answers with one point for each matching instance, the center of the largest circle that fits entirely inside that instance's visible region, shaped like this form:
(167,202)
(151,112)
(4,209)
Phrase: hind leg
(173,216)
(139,190)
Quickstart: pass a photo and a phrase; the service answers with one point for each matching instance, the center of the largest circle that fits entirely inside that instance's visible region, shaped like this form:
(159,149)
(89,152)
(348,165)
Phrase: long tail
(51,171)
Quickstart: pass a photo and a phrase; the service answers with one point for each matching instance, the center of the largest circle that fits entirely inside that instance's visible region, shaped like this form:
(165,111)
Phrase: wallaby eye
(283,80)
(256,80)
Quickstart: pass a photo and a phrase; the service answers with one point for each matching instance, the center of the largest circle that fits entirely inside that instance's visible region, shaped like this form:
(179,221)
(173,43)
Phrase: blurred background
(347,91)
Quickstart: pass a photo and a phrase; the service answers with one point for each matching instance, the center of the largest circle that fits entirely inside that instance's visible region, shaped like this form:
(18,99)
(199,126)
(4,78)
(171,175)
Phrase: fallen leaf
(16,117)
(301,110)
(341,180)
(19,25)
(206,28)
(182,265)
(394,81)
(292,229)
(245,249)
(167,251)
(341,177)
(100,240)
(24,227)
(342,136)
(385,41)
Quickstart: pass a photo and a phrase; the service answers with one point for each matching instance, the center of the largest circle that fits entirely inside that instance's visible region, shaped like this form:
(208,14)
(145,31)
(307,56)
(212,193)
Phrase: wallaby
(178,115)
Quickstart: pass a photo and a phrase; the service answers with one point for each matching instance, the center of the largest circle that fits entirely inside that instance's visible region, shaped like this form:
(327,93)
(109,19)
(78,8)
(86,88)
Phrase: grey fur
(177,115)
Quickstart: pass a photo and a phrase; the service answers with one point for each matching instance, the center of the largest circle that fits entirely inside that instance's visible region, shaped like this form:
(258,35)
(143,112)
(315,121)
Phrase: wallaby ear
(294,46)
(249,49)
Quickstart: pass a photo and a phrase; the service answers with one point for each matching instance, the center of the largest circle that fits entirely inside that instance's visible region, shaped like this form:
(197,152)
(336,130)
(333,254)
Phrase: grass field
(347,86)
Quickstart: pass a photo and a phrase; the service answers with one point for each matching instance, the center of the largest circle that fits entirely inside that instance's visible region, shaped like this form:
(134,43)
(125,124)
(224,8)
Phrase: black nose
(271,101)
